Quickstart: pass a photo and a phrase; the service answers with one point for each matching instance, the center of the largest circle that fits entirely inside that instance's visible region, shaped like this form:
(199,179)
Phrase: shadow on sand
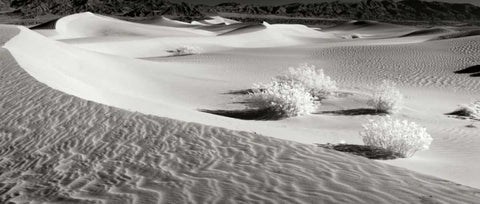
(474,71)
(369,152)
(269,114)
(355,112)
(247,114)
(240,92)
(462,114)
(243,91)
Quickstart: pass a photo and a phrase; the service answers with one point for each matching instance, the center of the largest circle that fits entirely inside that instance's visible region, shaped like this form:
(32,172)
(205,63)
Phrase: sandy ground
(97,59)
(59,148)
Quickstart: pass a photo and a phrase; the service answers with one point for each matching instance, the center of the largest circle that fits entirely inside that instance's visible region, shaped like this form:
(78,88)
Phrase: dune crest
(164,21)
(87,24)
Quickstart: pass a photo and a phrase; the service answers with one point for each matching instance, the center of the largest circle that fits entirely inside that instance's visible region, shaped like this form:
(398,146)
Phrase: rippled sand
(57,148)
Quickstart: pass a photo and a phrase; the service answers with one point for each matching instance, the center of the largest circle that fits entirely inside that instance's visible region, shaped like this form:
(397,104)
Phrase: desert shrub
(286,99)
(185,50)
(314,80)
(386,98)
(471,110)
(398,136)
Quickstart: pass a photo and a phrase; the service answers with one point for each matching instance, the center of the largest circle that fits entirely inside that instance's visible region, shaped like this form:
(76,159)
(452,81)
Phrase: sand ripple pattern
(427,64)
(57,148)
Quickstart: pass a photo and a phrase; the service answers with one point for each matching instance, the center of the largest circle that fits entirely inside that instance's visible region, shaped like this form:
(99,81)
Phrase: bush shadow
(355,112)
(247,114)
(240,92)
(369,152)
(243,91)
(461,114)
(474,71)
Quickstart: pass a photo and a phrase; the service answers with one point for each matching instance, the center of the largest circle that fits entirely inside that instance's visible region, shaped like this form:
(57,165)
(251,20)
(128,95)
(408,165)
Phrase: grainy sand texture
(98,110)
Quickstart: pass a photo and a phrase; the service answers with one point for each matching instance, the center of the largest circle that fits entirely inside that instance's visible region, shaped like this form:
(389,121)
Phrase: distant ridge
(388,10)
(128,8)
(380,10)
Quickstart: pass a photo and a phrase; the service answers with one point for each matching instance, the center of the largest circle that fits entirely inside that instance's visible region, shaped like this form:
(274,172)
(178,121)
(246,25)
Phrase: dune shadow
(355,112)
(247,114)
(47,25)
(474,71)
(428,31)
(369,152)
(461,34)
(247,28)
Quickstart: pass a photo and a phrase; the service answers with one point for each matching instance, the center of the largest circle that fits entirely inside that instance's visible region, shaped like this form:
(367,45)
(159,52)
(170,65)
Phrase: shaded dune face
(244,28)
(47,25)
(370,29)
(59,148)
(428,31)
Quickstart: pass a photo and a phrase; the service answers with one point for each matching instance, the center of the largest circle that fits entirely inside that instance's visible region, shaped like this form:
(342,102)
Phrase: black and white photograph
(239,101)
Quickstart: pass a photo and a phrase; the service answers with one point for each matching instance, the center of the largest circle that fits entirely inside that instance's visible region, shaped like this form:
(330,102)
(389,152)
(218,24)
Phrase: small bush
(185,50)
(386,98)
(286,99)
(401,137)
(470,110)
(314,80)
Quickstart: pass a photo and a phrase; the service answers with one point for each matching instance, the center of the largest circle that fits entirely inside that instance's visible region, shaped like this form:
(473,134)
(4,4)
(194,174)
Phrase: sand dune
(93,57)
(101,77)
(60,148)
(90,25)
(368,29)
(144,46)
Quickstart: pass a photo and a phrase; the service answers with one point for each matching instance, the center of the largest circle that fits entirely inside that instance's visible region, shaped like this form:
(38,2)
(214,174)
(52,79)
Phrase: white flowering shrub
(402,137)
(185,50)
(386,98)
(286,99)
(314,80)
(470,110)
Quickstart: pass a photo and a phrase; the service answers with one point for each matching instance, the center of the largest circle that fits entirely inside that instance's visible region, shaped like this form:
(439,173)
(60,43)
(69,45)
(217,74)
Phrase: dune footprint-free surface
(58,148)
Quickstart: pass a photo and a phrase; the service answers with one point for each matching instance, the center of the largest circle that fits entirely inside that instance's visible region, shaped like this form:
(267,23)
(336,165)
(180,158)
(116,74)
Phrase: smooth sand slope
(138,73)
(57,148)
(91,25)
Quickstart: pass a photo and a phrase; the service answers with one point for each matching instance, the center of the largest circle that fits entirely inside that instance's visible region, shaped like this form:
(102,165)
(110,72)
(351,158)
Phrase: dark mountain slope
(366,9)
(380,10)
(132,8)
